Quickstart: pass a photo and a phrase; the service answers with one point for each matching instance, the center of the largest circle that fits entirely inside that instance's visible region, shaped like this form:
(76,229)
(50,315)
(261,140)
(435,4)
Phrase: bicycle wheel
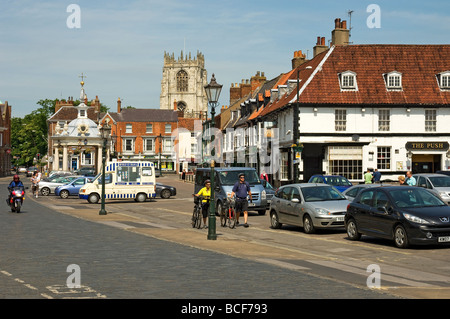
(231,218)
(199,217)
(196,218)
(223,216)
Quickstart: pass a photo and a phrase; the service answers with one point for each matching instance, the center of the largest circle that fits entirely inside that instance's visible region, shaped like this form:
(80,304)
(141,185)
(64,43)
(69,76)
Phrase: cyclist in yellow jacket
(206,193)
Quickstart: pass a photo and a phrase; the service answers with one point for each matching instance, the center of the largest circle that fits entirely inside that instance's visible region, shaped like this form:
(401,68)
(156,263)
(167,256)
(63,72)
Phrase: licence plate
(445,239)
(340,219)
(251,204)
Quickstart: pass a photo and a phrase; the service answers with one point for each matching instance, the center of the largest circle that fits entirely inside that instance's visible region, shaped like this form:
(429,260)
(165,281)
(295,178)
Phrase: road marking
(83,292)
(363,272)
(281,264)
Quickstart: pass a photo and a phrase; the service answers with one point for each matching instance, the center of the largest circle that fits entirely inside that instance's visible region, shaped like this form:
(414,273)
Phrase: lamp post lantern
(213,90)
(105,132)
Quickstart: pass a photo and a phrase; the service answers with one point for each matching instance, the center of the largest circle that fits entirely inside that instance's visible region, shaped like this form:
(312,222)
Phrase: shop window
(284,169)
(383,157)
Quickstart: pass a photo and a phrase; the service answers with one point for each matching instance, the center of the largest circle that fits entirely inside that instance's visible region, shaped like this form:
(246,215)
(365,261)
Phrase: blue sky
(120,44)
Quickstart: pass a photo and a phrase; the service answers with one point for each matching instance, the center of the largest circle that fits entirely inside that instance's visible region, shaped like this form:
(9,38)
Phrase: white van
(122,180)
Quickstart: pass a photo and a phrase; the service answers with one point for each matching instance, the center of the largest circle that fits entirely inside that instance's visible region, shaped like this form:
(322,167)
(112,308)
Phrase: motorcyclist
(16,182)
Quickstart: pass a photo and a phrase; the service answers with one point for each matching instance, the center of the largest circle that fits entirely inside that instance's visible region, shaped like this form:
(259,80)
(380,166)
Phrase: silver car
(48,187)
(439,184)
(308,205)
(352,192)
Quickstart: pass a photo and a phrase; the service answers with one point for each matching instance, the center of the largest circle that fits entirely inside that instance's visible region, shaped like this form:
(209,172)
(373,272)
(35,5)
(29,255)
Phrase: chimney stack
(119,105)
(340,34)
(320,46)
(299,59)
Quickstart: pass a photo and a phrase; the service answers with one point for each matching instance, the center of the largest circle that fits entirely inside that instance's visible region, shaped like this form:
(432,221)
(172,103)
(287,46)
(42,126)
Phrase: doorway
(426,163)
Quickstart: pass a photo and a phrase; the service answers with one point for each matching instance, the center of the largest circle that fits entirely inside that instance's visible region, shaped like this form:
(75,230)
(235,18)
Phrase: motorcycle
(17,195)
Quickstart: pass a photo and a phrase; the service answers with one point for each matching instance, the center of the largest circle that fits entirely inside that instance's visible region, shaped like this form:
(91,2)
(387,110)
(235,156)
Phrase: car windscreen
(231,177)
(413,197)
(315,194)
(440,181)
(337,181)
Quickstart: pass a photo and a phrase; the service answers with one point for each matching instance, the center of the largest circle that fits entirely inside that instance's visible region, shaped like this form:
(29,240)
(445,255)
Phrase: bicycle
(197,213)
(230,216)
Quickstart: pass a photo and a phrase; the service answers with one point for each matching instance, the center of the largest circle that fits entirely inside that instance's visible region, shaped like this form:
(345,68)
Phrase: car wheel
(45,191)
(274,222)
(93,198)
(401,237)
(261,212)
(308,225)
(64,194)
(141,197)
(165,193)
(352,230)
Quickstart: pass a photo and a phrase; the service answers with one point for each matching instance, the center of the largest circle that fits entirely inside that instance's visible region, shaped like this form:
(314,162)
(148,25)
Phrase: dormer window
(444,80)
(347,81)
(393,80)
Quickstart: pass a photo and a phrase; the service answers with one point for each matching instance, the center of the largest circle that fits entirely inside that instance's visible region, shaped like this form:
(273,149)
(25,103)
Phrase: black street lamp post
(105,131)
(213,90)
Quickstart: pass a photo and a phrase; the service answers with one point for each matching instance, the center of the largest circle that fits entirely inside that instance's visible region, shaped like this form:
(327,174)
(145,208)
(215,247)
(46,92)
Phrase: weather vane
(82,76)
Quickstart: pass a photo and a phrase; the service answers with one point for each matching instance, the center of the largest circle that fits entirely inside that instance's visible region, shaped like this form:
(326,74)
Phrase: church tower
(182,84)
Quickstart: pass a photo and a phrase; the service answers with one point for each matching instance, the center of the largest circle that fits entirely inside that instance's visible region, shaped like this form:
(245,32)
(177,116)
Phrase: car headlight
(322,211)
(443,194)
(263,194)
(415,219)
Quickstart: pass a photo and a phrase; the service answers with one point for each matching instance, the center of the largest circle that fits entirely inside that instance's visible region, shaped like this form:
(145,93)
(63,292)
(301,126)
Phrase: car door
(381,219)
(76,185)
(294,207)
(362,209)
(282,203)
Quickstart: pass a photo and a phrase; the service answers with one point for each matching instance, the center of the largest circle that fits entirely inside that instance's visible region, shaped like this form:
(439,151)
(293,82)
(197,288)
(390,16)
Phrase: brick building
(151,135)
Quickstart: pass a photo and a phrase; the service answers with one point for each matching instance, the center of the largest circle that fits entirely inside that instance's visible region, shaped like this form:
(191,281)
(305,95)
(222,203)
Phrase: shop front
(427,157)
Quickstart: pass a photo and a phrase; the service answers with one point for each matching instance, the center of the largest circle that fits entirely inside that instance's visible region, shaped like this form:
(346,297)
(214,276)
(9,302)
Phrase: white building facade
(384,107)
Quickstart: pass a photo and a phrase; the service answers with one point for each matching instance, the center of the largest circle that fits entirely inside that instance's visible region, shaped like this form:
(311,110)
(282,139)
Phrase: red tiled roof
(419,65)
(304,71)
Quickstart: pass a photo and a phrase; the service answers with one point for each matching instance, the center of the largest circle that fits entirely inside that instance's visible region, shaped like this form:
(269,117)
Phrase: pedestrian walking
(35,184)
(376,176)
(401,180)
(241,189)
(410,180)
(368,177)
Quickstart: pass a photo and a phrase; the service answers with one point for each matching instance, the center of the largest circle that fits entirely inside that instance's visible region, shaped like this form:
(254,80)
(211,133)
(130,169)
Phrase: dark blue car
(72,188)
(338,181)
